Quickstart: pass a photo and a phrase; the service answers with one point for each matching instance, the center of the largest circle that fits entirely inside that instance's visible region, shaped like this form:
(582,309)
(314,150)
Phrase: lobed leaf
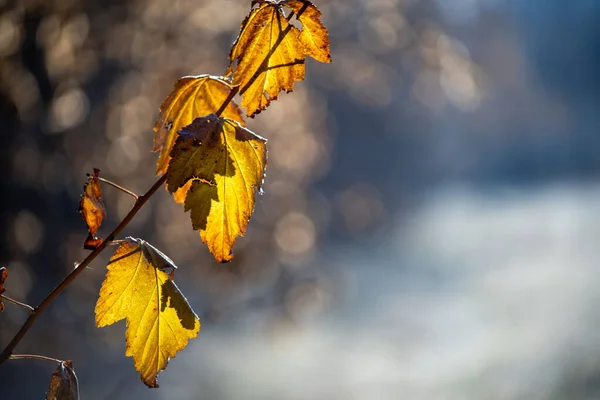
(270,52)
(226,163)
(160,321)
(63,383)
(192,96)
(314,35)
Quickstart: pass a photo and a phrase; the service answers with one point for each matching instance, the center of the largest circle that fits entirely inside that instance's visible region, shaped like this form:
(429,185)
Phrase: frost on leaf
(270,52)
(3,275)
(92,208)
(160,321)
(227,165)
(192,96)
(63,383)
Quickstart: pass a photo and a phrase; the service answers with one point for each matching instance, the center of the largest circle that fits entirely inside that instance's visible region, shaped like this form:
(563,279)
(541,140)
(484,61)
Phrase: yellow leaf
(180,194)
(227,164)
(270,52)
(314,35)
(270,57)
(192,96)
(159,319)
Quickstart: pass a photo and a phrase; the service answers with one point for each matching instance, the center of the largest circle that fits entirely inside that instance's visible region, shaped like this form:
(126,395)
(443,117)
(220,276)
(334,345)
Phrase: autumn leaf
(160,321)
(192,96)
(63,383)
(180,194)
(227,164)
(3,275)
(270,52)
(314,35)
(92,208)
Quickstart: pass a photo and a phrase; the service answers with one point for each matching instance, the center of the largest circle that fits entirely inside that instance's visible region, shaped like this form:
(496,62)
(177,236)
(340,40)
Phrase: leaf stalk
(230,97)
(34,357)
(27,306)
(121,188)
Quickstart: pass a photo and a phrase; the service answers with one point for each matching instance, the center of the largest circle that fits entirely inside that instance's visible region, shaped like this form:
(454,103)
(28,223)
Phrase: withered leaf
(160,321)
(63,383)
(92,242)
(270,52)
(192,96)
(3,275)
(91,205)
(227,165)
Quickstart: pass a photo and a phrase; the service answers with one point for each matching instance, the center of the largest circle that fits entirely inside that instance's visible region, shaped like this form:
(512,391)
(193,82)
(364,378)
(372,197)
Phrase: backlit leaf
(92,207)
(314,35)
(227,164)
(160,321)
(270,52)
(3,275)
(63,383)
(192,96)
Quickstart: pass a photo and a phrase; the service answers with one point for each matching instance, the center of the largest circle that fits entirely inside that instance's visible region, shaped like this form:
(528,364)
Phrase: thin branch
(121,188)
(80,268)
(232,94)
(34,356)
(27,306)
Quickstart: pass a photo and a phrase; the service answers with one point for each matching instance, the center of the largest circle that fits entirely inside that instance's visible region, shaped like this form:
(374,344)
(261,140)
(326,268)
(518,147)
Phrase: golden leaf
(159,319)
(192,96)
(180,194)
(63,383)
(227,164)
(92,207)
(314,35)
(270,52)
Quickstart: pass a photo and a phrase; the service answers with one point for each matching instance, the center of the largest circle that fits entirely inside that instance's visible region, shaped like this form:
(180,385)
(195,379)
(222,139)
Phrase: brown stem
(80,268)
(34,357)
(27,306)
(233,92)
(121,188)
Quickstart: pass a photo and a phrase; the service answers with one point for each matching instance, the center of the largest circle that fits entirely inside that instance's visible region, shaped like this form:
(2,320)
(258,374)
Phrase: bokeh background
(431,218)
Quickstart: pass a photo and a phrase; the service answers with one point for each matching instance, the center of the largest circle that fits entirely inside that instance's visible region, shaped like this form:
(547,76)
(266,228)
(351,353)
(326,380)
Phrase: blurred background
(431,218)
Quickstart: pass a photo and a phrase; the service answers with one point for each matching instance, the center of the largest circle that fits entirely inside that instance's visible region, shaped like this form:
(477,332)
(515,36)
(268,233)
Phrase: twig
(33,356)
(27,306)
(121,188)
(232,94)
(80,268)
